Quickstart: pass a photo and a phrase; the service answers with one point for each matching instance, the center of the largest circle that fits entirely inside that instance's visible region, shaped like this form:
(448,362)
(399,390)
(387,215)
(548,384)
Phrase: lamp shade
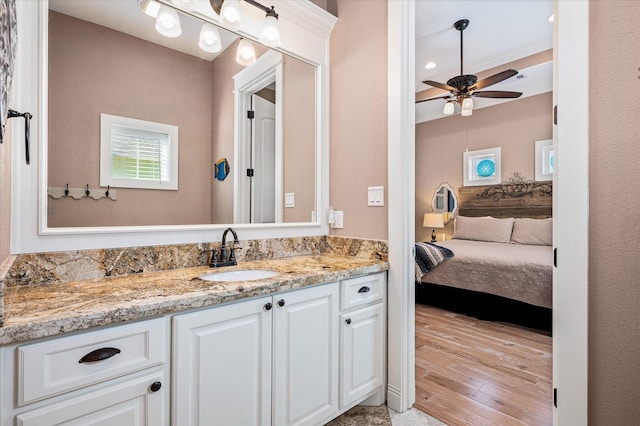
(270,32)
(246,54)
(449,108)
(433,220)
(168,22)
(467,103)
(231,14)
(210,39)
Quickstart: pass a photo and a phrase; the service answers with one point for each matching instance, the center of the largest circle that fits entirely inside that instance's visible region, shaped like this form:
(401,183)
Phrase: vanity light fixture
(150,7)
(230,12)
(430,65)
(168,22)
(210,38)
(246,54)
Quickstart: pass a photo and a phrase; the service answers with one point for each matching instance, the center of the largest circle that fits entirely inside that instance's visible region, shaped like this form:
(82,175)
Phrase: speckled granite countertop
(49,310)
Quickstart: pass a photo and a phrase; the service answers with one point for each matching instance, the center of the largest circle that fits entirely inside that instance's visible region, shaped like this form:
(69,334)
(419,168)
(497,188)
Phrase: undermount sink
(242,275)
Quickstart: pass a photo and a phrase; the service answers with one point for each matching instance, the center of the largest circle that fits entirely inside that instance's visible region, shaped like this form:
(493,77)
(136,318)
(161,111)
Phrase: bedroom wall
(614,237)
(358,116)
(513,126)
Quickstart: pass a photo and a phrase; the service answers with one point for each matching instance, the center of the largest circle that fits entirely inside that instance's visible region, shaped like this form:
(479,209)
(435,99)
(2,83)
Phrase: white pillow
(483,229)
(538,232)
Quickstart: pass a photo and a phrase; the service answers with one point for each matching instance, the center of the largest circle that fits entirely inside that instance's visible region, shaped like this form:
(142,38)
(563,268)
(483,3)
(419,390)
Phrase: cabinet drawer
(361,291)
(67,363)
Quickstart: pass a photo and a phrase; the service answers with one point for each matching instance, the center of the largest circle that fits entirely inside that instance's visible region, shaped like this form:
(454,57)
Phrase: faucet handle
(232,254)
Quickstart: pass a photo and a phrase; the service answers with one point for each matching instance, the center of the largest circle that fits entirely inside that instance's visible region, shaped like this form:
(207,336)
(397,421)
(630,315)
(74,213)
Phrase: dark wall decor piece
(8,43)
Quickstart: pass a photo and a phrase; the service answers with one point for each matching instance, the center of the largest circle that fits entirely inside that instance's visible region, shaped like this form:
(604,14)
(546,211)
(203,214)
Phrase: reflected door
(263,161)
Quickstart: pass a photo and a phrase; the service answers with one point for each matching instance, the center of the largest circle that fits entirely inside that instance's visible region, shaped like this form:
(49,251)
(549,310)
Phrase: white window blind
(138,154)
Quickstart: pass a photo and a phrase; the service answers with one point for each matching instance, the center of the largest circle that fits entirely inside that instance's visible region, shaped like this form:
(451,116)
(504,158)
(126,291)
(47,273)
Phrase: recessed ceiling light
(550,18)
(430,65)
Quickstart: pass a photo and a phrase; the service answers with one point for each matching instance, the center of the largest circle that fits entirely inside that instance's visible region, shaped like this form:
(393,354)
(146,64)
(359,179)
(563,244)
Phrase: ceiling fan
(463,87)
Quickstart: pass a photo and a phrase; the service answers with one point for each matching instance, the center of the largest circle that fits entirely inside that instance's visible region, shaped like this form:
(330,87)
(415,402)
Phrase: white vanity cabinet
(223,357)
(362,334)
(116,375)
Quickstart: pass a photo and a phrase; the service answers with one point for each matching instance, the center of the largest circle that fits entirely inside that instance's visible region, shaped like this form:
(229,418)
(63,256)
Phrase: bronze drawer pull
(364,289)
(99,355)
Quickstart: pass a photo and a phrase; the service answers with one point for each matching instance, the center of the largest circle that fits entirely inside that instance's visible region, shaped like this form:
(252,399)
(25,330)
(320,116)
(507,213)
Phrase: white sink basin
(242,275)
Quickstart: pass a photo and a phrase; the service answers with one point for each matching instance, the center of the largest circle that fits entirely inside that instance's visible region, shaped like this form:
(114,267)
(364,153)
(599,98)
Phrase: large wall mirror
(105,57)
(79,61)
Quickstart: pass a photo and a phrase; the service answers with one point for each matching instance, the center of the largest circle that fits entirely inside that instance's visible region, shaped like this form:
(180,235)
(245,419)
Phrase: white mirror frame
(448,187)
(305,30)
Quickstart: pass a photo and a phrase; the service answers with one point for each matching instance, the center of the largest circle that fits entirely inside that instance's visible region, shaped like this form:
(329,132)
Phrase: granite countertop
(47,310)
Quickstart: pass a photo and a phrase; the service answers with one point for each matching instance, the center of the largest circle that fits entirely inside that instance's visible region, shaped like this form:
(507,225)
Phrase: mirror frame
(305,31)
(452,214)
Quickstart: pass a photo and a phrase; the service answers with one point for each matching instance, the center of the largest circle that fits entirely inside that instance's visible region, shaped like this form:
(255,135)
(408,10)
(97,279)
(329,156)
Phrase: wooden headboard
(516,197)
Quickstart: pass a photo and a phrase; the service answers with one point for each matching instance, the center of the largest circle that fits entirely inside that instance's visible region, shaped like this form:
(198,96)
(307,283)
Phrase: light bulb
(246,54)
(230,13)
(467,104)
(210,39)
(270,31)
(168,22)
(449,108)
(466,112)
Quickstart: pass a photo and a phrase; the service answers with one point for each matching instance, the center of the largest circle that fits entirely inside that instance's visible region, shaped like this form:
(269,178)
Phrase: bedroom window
(137,153)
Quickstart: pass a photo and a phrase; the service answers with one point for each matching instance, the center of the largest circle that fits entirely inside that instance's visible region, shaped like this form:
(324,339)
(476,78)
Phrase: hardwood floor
(473,372)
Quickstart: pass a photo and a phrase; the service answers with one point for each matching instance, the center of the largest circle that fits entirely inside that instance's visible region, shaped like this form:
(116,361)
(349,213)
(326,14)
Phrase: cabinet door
(132,403)
(222,365)
(306,355)
(362,354)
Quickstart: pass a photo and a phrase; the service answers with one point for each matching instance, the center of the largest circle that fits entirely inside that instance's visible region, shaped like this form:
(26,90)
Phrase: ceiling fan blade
(439,85)
(497,94)
(496,78)
(432,99)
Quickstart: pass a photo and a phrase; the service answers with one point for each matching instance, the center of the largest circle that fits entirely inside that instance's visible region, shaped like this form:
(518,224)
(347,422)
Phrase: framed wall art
(544,160)
(481,167)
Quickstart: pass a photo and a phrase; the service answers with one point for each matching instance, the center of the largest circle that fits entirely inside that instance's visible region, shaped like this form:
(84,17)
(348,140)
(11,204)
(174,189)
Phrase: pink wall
(358,116)
(109,79)
(5,194)
(614,213)
(299,133)
(514,126)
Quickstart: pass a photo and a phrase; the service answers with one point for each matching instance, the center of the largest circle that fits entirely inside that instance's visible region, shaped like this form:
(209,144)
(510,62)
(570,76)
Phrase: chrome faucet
(227,254)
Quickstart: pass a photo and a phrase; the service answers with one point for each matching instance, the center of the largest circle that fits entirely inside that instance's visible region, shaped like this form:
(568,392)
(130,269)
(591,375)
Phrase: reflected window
(138,154)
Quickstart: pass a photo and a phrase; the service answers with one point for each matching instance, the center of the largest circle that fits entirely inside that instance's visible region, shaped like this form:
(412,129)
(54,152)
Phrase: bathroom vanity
(168,347)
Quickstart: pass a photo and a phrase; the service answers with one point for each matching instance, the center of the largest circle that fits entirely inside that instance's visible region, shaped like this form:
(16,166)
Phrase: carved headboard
(516,197)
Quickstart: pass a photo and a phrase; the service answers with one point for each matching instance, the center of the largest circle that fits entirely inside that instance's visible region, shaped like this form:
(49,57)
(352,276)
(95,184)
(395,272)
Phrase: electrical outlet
(338,217)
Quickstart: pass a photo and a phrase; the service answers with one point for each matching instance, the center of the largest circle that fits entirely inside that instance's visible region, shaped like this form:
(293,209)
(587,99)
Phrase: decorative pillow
(483,229)
(538,232)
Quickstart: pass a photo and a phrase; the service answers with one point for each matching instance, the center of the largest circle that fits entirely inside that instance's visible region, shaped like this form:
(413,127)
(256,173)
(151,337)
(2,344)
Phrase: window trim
(107,121)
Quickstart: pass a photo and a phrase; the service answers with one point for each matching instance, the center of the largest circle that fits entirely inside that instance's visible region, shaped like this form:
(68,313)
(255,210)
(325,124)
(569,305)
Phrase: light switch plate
(338,218)
(289,199)
(375,196)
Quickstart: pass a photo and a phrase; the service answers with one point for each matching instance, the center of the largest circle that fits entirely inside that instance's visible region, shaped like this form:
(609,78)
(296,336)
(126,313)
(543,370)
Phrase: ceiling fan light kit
(463,87)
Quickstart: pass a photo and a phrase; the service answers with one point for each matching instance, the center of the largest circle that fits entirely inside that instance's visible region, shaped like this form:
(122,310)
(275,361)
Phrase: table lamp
(433,221)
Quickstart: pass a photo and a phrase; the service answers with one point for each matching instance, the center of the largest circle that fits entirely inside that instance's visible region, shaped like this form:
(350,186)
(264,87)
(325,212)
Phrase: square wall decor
(544,160)
(481,167)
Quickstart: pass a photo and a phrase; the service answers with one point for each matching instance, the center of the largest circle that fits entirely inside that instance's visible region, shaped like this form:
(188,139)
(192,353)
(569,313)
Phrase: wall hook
(87,191)
(66,191)
(107,191)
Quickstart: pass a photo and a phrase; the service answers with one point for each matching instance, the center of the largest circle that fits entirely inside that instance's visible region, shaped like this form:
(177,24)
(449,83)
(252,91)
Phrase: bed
(502,243)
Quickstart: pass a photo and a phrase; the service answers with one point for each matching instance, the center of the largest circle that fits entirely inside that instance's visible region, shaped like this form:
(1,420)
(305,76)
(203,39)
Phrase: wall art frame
(544,160)
(482,167)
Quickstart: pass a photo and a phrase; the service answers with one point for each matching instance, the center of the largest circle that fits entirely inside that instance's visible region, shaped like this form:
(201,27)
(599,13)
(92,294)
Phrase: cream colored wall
(514,126)
(81,75)
(614,213)
(358,116)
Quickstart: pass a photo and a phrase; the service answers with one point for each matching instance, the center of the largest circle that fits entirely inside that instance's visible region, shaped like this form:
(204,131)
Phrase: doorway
(258,142)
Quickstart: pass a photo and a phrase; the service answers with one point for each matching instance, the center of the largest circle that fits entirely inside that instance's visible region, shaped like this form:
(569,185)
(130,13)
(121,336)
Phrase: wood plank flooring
(473,372)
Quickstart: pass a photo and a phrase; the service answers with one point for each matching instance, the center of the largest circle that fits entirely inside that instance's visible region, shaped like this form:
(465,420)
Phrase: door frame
(266,70)
(571,208)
